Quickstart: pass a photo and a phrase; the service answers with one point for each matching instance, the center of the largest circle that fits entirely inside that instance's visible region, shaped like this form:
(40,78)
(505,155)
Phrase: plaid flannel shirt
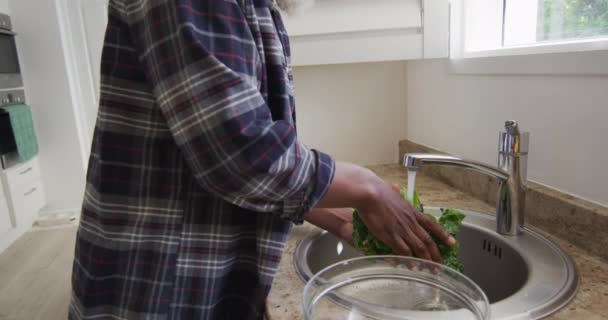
(196,173)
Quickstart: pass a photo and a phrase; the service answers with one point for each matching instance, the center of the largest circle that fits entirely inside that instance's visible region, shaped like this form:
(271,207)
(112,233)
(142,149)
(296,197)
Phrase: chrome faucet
(510,172)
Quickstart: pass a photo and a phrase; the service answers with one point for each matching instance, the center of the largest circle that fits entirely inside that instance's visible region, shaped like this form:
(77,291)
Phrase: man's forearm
(337,221)
(352,186)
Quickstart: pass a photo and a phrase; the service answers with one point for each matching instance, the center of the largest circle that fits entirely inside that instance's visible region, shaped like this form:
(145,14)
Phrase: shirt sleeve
(202,62)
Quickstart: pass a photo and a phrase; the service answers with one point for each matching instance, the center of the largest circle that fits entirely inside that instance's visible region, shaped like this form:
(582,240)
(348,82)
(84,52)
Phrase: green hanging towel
(23,128)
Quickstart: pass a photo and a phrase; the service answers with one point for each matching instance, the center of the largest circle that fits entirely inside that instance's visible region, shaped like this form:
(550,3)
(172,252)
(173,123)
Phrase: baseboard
(45,212)
(56,218)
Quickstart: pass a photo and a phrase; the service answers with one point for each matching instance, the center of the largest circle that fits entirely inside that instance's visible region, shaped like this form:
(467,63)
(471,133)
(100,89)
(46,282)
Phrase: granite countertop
(590,303)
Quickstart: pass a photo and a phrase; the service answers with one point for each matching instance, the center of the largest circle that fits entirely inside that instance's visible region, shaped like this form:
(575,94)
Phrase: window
(503,27)
(529,21)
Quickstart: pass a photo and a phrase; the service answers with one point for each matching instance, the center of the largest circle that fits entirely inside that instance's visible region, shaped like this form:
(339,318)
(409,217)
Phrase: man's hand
(337,221)
(395,222)
(386,214)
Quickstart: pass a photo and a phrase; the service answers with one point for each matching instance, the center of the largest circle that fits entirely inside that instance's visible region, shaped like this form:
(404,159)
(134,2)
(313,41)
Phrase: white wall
(354,112)
(47,91)
(4,7)
(84,22)
(567,118)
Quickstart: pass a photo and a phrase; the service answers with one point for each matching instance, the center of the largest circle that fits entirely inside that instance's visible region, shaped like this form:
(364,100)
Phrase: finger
(413,265)
(346,233)
(392,262)
(436,270)
(396,187)
(435,229)
(433,269)
(408,262)
(417,246)
(400,246)
(429,243)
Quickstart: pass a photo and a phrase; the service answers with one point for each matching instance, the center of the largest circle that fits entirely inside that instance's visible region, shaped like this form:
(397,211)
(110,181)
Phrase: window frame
(577,57)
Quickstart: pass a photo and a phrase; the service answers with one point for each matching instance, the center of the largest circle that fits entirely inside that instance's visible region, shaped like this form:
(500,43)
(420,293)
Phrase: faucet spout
(415,161)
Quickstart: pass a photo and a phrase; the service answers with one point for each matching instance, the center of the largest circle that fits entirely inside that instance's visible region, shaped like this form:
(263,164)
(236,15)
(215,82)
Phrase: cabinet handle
(30,192)
(25,171)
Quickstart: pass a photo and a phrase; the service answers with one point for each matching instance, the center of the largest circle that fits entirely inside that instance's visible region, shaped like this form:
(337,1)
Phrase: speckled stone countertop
(591,302)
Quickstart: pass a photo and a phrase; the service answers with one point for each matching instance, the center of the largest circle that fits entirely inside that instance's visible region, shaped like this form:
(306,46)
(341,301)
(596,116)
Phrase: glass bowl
(391,288)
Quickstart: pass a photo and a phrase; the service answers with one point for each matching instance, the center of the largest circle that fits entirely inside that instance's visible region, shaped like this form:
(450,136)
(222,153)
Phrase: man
(196,174)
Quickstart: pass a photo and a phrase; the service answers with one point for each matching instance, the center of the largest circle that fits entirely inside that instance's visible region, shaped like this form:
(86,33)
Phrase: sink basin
(524,277)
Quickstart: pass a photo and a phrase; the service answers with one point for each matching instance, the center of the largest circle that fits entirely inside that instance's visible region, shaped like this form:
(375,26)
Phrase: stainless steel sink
(524,277)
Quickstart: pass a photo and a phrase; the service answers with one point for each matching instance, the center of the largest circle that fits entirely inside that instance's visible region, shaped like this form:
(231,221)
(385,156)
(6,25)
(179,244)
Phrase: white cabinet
(21,198)
(23,173)
(350,31)
(5,216)
(24,192)
(331,32)
(27,200)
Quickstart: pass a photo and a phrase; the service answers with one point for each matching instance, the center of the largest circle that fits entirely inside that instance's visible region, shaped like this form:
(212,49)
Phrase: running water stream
(411,182)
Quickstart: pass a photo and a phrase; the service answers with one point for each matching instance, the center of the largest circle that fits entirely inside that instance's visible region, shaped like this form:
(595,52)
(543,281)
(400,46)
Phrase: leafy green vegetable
(450,219)
(365,241)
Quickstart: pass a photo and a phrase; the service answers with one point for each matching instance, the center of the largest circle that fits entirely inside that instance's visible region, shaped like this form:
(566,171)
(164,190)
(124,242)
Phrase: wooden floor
(35,275)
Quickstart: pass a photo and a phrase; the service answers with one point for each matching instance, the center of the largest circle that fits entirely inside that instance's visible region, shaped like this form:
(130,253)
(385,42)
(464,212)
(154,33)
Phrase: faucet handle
(511,126)
(512,141)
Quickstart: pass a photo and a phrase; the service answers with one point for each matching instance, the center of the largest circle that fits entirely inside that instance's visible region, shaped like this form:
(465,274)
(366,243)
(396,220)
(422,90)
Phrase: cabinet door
(350,31)
(27,201)
(5,219)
